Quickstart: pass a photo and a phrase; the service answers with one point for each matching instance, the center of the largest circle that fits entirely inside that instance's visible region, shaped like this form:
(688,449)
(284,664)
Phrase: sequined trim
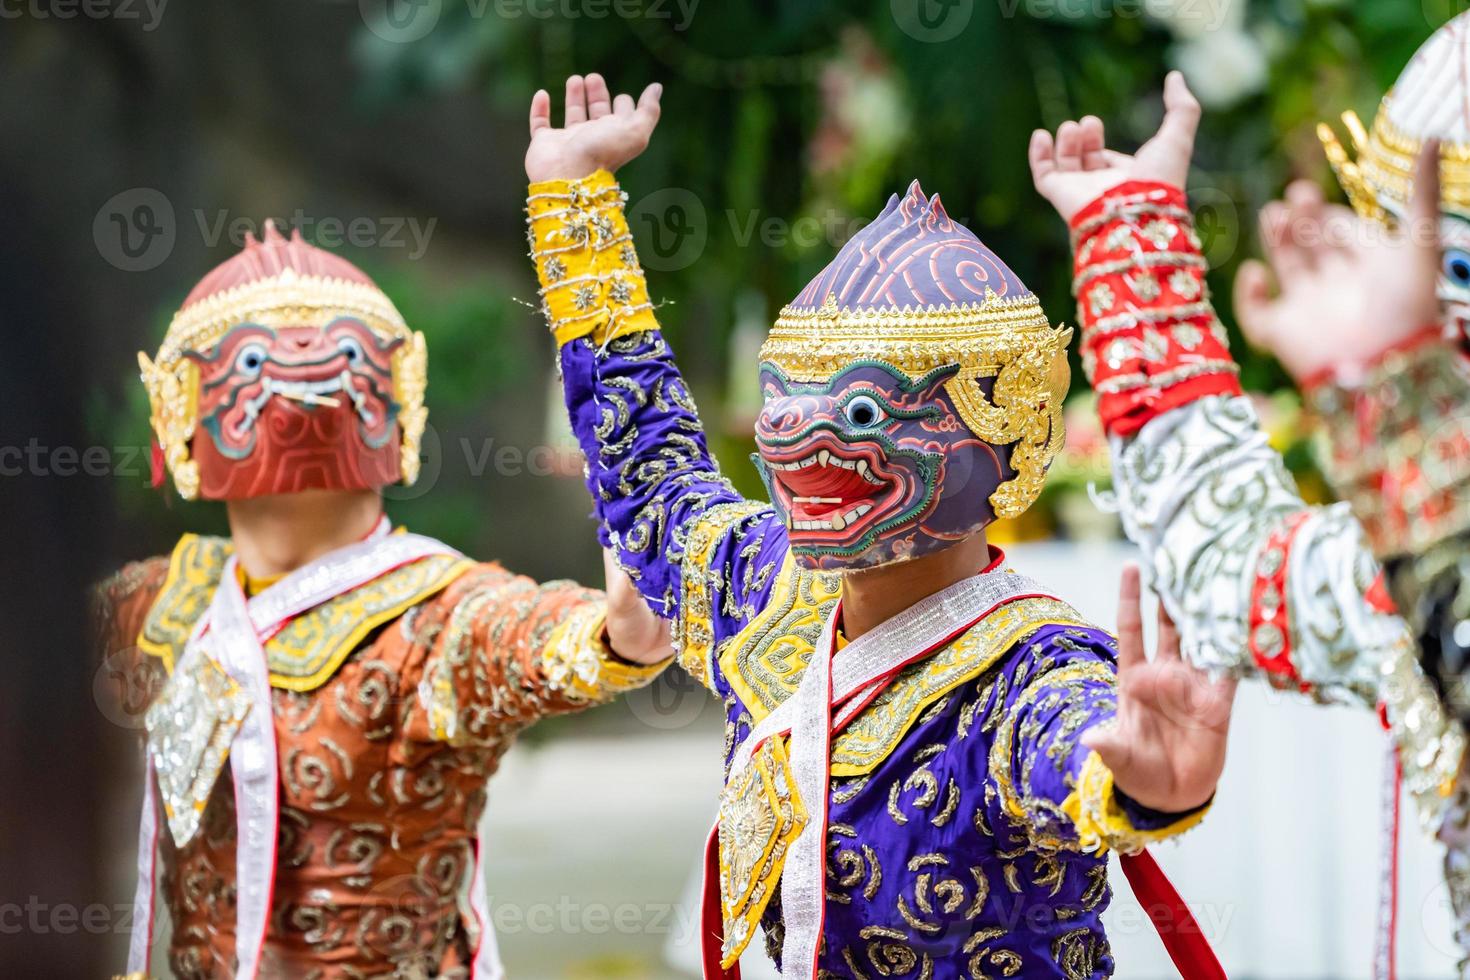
(763,663)
(761,814)
(577,660)
(873,735)
(699,580)
(190,728)
(591,282)
(1017,800)
(1269,620)
(1101,822)
(1431,746)
(193,572)
(1150,337)
(309,649)
(306,652)
(1396,445)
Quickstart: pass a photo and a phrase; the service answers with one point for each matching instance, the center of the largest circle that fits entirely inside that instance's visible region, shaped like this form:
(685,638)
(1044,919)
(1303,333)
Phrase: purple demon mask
(912,394)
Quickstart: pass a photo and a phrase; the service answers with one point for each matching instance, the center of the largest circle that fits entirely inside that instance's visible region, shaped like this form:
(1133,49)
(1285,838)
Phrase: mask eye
(864,412)
(250,360)
(352,348)
(1457,267)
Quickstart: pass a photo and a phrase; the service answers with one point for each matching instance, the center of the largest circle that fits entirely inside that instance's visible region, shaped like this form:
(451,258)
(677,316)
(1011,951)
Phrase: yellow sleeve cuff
(591,282)
(1101,822)
(577,660)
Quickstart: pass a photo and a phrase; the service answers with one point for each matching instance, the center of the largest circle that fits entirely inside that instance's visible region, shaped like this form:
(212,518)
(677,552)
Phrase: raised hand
(598,131)
(1076,168)
(633,631)
(1349,288)
(1166,746)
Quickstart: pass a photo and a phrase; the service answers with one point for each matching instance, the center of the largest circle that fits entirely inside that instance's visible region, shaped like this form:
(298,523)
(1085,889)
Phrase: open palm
(1075,168)
(1166,745)
(597,132)
(1348,288)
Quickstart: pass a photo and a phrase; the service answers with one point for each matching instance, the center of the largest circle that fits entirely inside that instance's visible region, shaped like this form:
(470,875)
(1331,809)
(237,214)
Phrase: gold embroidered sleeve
(591,282)
(1051,787)
(1105,822)
(505,651)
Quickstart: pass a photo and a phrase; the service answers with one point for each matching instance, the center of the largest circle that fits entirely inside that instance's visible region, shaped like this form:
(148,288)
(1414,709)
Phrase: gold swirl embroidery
(700,582)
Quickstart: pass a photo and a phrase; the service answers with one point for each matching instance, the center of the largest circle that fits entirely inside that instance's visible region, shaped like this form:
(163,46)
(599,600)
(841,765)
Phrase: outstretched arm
(505,650)
(1259,583)
(1091,755)
(700,554)
(1389,388)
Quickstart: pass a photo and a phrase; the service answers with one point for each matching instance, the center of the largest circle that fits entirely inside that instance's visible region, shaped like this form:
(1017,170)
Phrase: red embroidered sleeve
(1150,338)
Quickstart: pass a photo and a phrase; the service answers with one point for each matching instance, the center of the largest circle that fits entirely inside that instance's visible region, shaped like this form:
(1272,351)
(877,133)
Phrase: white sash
(232,632)
(849,679)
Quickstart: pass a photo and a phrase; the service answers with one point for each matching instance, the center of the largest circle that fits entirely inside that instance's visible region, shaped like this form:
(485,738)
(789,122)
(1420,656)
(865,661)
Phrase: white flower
(1222,67)
(1188,19)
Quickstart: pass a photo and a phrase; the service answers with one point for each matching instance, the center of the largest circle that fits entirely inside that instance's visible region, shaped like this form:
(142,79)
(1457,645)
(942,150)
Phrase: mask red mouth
(1457,324)
(830,488)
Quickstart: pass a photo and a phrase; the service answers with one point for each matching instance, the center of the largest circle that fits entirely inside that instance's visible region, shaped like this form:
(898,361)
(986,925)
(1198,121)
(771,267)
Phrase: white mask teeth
(825,458)
(838,521)
(359,399)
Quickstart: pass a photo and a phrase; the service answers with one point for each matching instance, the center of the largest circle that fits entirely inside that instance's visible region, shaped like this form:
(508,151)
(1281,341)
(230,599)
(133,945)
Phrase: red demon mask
(285,370)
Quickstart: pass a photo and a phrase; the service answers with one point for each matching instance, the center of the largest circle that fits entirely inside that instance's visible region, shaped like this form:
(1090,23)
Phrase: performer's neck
(278,534)
(871,596)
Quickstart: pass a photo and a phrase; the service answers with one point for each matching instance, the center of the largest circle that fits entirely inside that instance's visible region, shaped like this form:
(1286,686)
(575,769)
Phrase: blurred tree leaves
(780,118)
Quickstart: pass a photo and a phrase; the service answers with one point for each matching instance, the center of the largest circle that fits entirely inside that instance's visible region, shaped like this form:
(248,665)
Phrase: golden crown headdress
(275,282)
(1430,100)
(916,290)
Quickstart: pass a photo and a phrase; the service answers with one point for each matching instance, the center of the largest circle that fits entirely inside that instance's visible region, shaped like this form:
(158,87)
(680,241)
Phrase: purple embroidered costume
(912,395)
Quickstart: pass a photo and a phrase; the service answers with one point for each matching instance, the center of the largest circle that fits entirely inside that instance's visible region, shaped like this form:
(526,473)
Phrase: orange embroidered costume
(318,746)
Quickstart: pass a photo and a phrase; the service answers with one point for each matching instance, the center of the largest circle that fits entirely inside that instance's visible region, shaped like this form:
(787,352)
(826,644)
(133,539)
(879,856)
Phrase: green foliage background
(743,104)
